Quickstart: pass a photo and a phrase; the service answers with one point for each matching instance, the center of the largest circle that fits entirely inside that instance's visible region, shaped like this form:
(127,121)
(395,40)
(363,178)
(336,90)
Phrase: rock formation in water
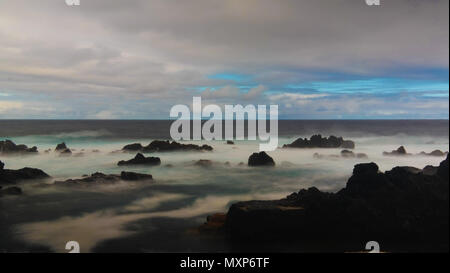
(206,163)
(434,153)
(140,159)
(62,149)
(401,151)
(100,178)
(9,147)
(405,208)
(260,159)
(8,176)
(317,141)
(165,146)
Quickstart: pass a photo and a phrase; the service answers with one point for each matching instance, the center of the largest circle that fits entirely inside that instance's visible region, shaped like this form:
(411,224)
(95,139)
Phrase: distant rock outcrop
(405,208)
(101,178)
(62,149)
(9,147)
(401,151)
(204,163)
(260,159)
(166,146)
(434,153)
(317,141)
(140,159)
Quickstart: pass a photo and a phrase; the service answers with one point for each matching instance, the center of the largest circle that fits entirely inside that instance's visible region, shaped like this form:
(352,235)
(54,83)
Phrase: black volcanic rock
(260,159)
(132,176)
(61,147)
(101,178)
(165,146)
(12,176)
(317,141)
(133,147)
(9,147)
(401,151)
(2,165)
(140,159)
(403,208)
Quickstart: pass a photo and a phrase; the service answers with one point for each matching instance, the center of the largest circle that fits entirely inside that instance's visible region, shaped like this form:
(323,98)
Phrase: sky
(135,59)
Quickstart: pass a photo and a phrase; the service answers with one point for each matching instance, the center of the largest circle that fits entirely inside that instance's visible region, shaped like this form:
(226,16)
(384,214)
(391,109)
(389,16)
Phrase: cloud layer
(135,59)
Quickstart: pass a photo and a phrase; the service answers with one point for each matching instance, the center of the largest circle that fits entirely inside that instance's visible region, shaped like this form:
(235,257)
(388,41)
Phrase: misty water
(162,216)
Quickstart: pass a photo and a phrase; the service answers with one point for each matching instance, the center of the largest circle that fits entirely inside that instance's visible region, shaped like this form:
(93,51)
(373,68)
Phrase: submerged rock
(405,207)
(435,153)
(9,147)
(317,141)
(204,163)
(260,159)
(140,159)
(347,153)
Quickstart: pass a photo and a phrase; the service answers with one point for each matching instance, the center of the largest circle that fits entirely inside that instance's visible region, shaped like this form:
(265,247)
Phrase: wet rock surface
(405,207)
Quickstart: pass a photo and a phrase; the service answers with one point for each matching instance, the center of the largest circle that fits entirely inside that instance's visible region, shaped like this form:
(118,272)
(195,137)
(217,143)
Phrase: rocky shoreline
(404,209)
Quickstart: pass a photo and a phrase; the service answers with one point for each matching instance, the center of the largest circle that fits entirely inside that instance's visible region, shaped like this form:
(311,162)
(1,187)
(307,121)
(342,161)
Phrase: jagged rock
(9,147)
(101,178)
(133,147)
(2,165)
(401,151)
(165,146)
(140,159)
(12,176)
(260,159)
(204,163)
(61,147)
(403,208)
(317,141)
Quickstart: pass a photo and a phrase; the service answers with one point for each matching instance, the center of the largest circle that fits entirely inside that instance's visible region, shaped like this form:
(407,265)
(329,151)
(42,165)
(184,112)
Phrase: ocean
(163,216)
